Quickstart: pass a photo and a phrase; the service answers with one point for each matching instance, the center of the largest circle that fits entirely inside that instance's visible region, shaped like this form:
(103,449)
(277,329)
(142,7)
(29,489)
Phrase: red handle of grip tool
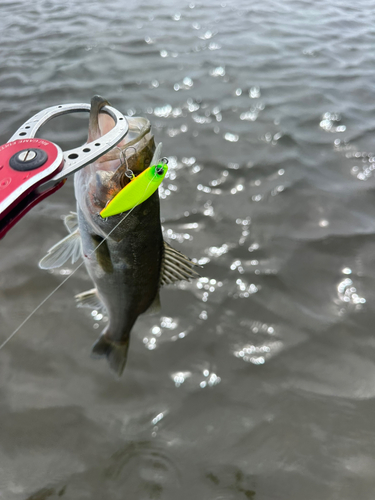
(19,188)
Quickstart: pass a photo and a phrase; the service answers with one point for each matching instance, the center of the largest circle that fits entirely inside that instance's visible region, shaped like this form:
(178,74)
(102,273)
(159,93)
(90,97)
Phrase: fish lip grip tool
(32,169)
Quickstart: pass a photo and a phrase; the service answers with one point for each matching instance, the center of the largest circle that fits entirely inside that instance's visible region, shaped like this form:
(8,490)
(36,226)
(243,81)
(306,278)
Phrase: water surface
(258,380)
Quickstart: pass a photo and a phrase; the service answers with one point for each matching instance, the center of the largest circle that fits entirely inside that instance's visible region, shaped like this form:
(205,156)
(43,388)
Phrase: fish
(125,255)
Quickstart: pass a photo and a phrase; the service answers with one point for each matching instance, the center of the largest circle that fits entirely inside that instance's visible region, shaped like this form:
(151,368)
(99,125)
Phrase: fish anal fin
(68,248)
(176,266)
(89,299)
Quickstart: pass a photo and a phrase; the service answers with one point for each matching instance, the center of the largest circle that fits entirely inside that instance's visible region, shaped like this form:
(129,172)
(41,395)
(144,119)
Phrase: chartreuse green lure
(137,191)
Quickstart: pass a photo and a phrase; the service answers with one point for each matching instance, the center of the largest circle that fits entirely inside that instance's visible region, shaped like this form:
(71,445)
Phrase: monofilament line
(70,275)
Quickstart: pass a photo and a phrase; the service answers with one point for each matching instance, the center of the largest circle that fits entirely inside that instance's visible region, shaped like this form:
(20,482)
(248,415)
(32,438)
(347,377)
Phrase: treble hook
(124,161)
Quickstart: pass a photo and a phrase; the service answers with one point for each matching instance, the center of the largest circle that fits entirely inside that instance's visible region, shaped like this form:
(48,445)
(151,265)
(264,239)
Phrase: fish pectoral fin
(89,299)
(69,247)
(71,222)
(176,267)
(154,307)
(115,352)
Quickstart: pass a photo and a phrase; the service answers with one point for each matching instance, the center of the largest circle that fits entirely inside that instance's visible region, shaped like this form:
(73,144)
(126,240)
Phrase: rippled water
(258,380)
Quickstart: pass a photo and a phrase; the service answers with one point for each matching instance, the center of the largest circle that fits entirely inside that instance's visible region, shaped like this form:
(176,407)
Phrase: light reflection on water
(199,379)
(257,378)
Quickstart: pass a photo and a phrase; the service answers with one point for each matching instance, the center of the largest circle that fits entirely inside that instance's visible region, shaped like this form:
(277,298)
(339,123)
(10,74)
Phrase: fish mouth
(133,153)
(139,128)
(136,154)
(107,175)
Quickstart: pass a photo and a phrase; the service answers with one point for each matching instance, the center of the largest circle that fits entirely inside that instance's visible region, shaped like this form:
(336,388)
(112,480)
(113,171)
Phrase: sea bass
(128,262)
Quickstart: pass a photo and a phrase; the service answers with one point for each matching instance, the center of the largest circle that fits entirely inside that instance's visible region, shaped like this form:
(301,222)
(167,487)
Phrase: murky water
(258,380)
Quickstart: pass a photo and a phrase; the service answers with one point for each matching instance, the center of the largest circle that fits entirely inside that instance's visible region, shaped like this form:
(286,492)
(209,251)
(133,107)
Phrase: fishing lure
(137,191)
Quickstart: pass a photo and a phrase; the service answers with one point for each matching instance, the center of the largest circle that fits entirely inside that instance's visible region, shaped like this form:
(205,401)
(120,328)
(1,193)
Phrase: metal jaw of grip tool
(32,169)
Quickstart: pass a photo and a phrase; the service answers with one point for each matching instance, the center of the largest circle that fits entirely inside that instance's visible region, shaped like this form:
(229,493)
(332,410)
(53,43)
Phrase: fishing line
(71,274)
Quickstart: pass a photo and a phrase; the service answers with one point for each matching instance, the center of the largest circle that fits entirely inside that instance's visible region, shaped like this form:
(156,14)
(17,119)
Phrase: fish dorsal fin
(71,222)
(69,247)
(89,299)
(176,266)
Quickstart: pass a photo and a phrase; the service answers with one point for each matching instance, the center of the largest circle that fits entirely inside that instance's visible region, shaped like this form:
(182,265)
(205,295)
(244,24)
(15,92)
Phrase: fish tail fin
(115,352)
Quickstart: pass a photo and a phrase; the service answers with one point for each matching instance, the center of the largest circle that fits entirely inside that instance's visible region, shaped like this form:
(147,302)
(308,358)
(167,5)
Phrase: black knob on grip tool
(28,159)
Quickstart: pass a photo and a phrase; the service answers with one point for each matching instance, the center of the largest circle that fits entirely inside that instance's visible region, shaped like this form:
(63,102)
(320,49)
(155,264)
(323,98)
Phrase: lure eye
(160,170)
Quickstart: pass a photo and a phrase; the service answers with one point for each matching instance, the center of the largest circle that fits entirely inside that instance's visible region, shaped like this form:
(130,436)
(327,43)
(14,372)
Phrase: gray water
(258,380)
